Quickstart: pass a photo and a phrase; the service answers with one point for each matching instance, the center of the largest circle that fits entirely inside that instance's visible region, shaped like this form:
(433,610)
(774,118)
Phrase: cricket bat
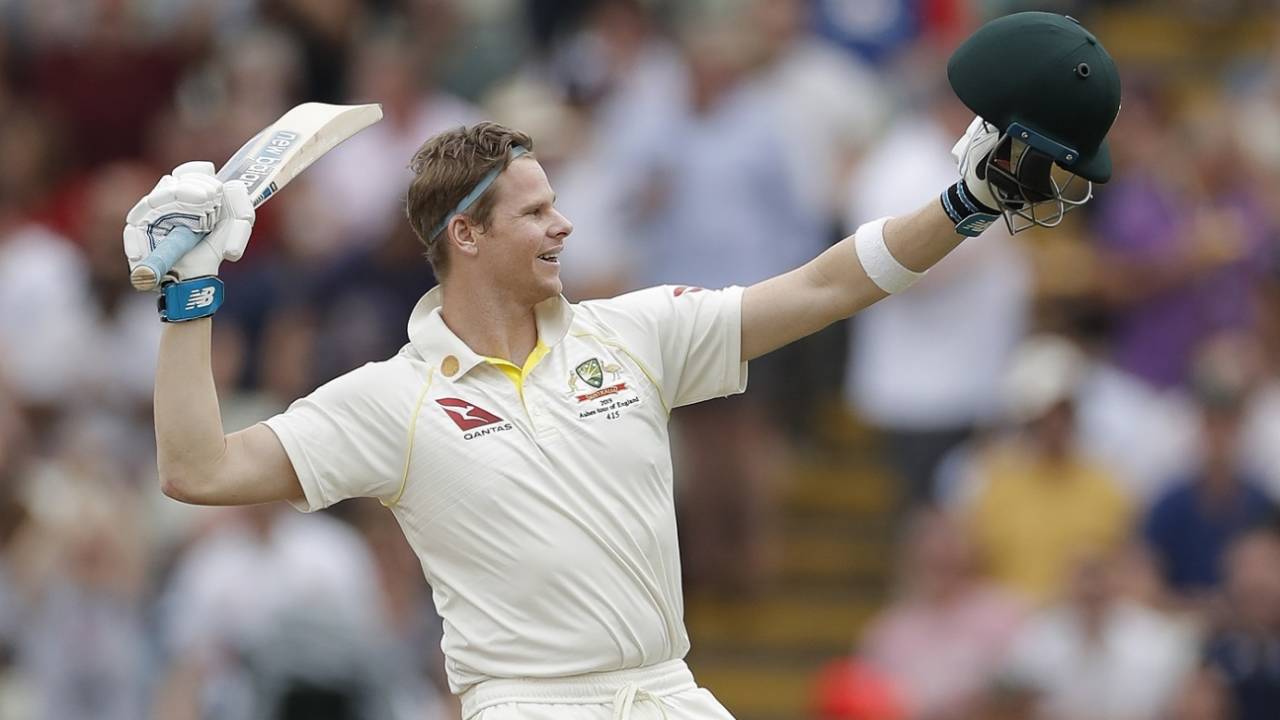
(266,164)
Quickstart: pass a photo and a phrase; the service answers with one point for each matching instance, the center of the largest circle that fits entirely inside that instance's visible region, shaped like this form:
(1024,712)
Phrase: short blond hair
(445,169)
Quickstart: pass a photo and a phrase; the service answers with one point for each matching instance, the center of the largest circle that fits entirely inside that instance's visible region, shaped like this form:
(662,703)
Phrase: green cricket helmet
(1051,88)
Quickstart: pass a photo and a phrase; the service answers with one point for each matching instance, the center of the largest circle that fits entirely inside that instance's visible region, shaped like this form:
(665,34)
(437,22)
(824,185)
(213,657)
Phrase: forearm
(189,436)
(917,241)
(921,239)
(835,285)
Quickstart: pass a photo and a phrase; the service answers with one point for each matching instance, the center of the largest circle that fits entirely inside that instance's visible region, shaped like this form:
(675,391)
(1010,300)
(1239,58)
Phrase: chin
(548,285)
(551,289)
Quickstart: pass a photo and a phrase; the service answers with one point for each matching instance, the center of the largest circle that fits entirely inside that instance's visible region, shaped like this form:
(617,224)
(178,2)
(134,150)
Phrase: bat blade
(266,163)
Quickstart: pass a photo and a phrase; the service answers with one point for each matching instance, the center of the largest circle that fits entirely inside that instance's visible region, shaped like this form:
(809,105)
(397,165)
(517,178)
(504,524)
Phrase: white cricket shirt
(539,499)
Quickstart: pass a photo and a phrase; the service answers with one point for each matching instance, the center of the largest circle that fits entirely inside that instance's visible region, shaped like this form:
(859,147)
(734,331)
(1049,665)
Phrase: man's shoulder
(638,301)
(637,308)
(380,377)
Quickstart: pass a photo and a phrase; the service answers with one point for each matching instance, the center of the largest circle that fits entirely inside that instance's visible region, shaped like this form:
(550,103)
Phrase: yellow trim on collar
(518,374)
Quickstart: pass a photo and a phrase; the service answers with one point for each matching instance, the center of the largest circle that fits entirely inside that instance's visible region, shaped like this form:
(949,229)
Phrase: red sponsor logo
(685,289)
(467,416)
(603,392)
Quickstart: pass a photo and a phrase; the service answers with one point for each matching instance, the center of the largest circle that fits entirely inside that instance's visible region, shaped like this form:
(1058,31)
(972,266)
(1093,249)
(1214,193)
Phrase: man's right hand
(192,197)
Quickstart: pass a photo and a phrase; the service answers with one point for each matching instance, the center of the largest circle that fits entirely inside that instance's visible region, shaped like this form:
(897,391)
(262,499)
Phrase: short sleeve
(348,438)
(690,338)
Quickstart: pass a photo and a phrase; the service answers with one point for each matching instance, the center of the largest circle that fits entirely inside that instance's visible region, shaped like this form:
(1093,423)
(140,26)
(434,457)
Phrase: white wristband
(880,265)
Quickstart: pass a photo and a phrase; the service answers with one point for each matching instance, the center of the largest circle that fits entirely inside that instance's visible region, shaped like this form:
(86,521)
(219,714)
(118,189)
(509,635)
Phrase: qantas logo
(466,415)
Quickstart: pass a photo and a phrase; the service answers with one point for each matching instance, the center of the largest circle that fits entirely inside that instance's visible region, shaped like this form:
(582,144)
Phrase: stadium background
(1039,485)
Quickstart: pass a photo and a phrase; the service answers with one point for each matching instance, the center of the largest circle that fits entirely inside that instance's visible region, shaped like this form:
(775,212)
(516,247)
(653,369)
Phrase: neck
(489,321)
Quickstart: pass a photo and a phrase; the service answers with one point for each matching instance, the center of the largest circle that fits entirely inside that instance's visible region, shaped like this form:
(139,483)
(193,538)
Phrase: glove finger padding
(235,221)
(194,167)
(162,195)
(136,246)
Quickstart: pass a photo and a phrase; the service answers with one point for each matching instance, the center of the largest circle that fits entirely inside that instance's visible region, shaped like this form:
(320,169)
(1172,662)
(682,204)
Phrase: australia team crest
(606,390)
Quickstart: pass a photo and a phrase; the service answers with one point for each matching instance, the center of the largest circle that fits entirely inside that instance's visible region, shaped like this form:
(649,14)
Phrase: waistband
(665,678)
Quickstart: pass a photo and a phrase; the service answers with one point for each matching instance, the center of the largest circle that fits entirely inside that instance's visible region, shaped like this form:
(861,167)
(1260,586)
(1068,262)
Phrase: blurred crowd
(1085,423)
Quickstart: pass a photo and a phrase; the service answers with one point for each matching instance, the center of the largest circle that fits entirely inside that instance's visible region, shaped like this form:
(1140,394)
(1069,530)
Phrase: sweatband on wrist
(470,198)
(884,270)
(970,215)
(190,299)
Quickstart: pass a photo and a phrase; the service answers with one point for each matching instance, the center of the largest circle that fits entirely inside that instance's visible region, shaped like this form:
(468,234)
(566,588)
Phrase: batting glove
(971,152)
(192,197)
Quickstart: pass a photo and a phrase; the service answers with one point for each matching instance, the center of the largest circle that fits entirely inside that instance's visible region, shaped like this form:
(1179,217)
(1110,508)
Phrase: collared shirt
(539,499)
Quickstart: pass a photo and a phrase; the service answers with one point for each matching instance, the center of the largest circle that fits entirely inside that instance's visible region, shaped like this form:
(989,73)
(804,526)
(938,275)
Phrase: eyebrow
(538,204)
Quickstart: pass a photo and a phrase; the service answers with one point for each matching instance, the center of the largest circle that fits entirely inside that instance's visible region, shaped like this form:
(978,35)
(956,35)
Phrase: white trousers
(665,691)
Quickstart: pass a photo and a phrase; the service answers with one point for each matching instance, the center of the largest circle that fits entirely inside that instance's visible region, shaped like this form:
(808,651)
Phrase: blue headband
(477,191)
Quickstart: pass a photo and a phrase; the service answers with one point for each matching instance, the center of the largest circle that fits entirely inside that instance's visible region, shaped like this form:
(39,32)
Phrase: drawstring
(630,694)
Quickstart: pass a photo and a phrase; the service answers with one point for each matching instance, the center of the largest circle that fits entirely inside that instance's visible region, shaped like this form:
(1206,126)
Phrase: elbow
(175,488)
(181,486)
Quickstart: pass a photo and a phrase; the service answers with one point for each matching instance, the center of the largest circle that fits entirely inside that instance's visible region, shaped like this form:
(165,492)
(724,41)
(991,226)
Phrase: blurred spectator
(100,76)
(328,33)
(1203,696)
(414,628)
(1183,238)
(253,572)
(364,179)
(829,106)
(43,290)
(948,630)
(258,75)
(1191,525)
(1245,646)
(1036,503)
(1146,433)
(1261,425)
(873,28)
(123,337)
(1004,700)
(82,644)
(1100,655)
(970,309)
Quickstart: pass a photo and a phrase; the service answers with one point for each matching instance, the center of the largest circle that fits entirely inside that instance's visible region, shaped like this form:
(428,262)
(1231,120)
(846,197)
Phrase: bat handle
(179,241)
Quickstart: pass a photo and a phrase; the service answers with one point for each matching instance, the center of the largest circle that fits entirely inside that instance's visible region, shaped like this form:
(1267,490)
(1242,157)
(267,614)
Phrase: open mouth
(553,258)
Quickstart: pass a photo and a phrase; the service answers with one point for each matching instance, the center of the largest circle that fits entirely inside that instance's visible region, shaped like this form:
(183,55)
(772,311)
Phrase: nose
(561,226)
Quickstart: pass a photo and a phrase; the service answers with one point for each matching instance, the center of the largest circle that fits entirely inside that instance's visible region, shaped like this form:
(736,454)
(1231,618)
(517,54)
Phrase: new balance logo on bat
(201,298)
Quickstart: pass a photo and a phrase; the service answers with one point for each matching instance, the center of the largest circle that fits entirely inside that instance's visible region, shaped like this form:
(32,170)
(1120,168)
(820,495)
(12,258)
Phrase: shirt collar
(433,339)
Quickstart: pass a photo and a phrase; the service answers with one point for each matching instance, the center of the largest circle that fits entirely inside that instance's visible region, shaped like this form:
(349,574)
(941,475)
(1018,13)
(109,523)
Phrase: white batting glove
(971,152)
(192,197)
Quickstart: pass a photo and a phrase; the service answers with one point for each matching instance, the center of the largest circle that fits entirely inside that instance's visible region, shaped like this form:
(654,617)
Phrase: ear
(462,235)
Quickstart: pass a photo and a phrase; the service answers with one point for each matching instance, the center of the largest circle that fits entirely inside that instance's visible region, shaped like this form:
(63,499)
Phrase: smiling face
(520,248)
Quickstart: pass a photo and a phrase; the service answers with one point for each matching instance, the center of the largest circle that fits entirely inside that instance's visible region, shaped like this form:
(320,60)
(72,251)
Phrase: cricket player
(521,440)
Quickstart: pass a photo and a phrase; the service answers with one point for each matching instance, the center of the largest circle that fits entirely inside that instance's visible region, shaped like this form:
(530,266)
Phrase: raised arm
(1032,155)
(835,285)
(884,256)
(197,462)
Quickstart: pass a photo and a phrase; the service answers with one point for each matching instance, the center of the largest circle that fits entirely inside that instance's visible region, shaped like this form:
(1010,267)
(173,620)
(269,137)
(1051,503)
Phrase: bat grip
(179,241)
